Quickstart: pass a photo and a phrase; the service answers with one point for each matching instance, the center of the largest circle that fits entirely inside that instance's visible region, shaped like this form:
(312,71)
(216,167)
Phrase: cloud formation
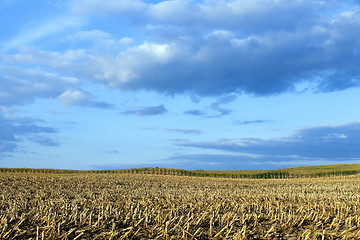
(148,111)
(13,131)
(325,142)
(195,112)
(215,109)
(240,162)
(176,130)
(250,122)
(212,48)
(184,130)
(81,98)
(20,85)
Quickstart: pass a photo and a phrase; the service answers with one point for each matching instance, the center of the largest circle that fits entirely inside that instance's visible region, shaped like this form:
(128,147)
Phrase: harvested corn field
(136,206)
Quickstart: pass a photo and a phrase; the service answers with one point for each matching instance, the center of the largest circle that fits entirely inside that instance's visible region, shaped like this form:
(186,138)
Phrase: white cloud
(156,52)
(68,63)
(71,98)
(93,35)
(126,41)
(128,65)
(335,135)
(21,85)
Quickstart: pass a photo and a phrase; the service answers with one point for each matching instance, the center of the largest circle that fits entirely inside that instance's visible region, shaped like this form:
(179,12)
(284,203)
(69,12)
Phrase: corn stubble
(134,206)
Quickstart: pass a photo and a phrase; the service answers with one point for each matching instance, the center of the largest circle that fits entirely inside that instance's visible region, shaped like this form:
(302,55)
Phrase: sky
(202,84)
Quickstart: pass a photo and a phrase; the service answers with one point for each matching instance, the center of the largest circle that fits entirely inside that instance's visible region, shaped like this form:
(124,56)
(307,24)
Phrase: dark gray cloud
(15,130)
(100,104)
(226,162)
(215,109)
(223,100)
(44,141)
(113,152)
(325,142)
(195,112)
(217,105)
(148,111)
(210,113)
(32,128)
(184,130)
(250,122)
(178,130)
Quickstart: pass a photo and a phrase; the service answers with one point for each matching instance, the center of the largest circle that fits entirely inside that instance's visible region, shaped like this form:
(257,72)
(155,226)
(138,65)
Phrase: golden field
(149,206)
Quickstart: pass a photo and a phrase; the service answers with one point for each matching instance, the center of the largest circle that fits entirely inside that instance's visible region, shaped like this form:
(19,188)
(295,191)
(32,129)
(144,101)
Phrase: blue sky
(248,84)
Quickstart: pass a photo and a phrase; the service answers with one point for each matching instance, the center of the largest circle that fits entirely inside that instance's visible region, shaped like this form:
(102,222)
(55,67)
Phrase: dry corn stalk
(129,206)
